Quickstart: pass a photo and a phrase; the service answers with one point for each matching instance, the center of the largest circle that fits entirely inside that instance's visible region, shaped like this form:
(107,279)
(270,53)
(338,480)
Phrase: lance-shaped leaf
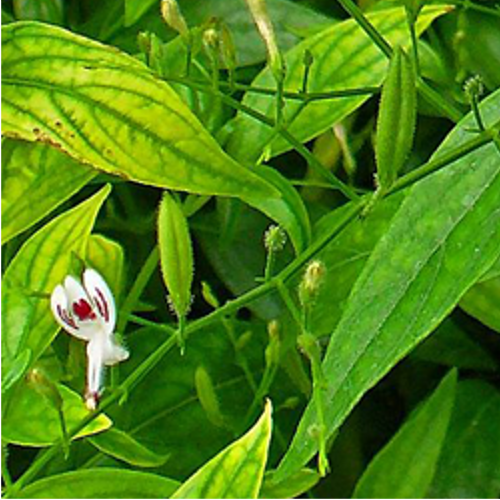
(109,110)
(36,179)
(404,468)
(344,57)
(31,420)
(396,119)
(176,254)
(123,446)
(101,483)
(39,265)
(469,464)
(238,470)
(444,237)
(481,302)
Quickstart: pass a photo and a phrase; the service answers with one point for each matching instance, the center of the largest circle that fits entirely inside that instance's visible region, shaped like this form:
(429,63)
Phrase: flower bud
(274,238)
(208,295)
(173,17)
(311,281)
(273,348)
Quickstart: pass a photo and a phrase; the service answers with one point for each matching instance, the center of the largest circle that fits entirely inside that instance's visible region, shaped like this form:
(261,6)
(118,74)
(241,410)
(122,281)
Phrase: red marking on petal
(102,305)
(83,310)
(65,318)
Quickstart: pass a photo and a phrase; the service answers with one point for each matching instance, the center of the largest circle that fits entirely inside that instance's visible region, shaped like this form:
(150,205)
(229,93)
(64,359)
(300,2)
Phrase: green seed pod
(207,396)
(272,352)
(396,119)
(176,254)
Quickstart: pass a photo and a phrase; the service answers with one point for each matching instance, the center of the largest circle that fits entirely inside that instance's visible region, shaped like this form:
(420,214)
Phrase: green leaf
(344,258)
(121,445)
(176,254)
(396,119)
(41,263)
(135,9)
(107,257)
(31,420)
(101,483)
(404,468)
(481,302)
(17,369)
(469,465)
(296,485)
(449,345)
(444,237)
(291,20)
(107,109)
(344,58)
(50,11)
(238,470)
(35,179)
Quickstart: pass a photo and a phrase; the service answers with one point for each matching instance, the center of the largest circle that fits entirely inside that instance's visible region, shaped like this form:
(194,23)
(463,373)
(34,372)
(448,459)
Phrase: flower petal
(101,297)
(59,306)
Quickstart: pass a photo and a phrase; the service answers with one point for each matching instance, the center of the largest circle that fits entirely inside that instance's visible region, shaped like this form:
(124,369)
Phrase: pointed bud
(173,17)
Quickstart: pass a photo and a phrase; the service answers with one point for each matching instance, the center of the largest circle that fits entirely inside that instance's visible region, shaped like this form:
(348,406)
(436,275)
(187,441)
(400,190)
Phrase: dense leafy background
(397,376)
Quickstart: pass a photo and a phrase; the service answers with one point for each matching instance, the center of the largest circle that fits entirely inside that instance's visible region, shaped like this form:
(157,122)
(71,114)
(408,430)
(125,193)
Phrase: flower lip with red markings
(86,310)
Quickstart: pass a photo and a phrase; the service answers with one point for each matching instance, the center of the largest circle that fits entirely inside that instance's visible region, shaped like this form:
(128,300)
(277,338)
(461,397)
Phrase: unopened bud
(474,87)
(211,38)
(207,396)
(273,348)
(209,295)
(274,238)
(243,340)
(173,17)
(262,20)
(44,386)
(311,281)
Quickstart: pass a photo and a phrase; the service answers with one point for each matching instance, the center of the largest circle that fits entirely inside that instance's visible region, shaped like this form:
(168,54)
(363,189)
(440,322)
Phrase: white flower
(87,311)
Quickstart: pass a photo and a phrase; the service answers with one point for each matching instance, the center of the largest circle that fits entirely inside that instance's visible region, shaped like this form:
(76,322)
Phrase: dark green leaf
(469,465)
(445,236)
(405,466)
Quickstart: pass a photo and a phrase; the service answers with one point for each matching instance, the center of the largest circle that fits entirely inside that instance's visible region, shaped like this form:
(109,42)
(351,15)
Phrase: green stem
(268,272)
(443,160)
(298,96)
(367,26)
(441,104)
(477,113)
(140,283)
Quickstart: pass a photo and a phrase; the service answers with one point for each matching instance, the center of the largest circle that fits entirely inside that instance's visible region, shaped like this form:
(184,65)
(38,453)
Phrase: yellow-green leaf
(35,179)
(176,254)
(31,420)
(40,264)
(123,446)
(102,482)
(109,110)
(238,470)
